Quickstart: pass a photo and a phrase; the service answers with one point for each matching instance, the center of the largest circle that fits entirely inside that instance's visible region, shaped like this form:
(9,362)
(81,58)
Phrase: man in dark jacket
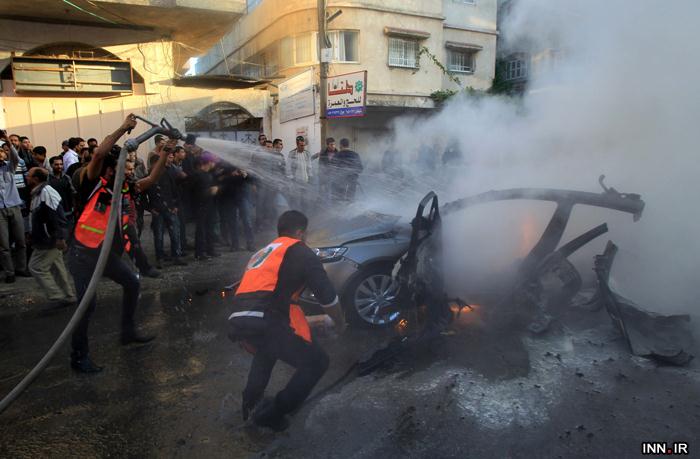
(204,192)
(348,167)
(136,200)
(325,170)
(49,231)
(63,184)
(164,199)
(236,206)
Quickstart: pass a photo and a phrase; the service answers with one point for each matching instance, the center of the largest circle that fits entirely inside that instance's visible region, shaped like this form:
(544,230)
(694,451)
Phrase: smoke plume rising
(615,96)
(618,100)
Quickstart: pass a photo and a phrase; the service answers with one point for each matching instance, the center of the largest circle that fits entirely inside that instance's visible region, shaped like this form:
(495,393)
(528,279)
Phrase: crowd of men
(41,200)
(56,212)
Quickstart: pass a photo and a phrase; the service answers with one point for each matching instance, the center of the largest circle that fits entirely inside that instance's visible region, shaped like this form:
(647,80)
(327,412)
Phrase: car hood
(336,231)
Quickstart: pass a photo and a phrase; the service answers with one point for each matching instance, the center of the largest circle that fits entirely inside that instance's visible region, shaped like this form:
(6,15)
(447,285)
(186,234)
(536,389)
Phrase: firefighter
(272,327)
(96,183)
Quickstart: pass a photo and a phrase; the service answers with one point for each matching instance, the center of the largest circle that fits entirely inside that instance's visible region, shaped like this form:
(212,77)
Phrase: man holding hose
(95,189)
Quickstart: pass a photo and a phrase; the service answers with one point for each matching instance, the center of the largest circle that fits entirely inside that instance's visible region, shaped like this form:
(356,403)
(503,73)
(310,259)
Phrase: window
(460,61)
(516,68)
(303,49)
(291,52)
(345,45)
(403,53)
(287,52)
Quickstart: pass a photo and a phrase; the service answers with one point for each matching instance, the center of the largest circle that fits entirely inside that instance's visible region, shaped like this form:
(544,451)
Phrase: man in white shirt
(299,170)
(71,157)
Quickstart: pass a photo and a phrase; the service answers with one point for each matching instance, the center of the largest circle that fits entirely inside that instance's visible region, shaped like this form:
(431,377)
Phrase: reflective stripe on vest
(262,272)
(92,225)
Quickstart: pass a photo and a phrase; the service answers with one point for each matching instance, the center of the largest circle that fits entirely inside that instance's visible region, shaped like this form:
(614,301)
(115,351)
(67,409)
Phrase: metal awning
(406,33)
(218,81)
(463,46)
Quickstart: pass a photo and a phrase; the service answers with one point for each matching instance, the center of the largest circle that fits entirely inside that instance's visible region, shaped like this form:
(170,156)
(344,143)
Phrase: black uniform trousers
(81,263)
(279,342)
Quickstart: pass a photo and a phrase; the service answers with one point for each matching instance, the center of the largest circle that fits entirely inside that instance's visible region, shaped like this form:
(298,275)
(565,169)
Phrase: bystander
(325,170)
(164,203)
(11,221)
(299,170)
(348,167)
(49,232)
(64,186)
(204,192)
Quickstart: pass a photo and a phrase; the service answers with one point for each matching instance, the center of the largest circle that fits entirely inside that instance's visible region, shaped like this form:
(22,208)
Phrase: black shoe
(247,407)
(24,273)
(179,261)
(10,279)
(152,272)
(268,415)
(84,365)
(132,337)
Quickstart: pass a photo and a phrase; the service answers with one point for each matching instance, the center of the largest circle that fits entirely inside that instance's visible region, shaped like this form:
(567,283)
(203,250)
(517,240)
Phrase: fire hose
(164,128)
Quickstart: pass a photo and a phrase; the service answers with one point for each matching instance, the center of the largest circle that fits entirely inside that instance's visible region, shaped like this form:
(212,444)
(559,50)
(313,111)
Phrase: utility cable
(88,12)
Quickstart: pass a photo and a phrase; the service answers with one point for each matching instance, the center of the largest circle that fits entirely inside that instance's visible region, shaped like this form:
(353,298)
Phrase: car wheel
(371,298)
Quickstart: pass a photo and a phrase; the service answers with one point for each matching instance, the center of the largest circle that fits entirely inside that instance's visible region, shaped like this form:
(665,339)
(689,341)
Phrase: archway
(225,120)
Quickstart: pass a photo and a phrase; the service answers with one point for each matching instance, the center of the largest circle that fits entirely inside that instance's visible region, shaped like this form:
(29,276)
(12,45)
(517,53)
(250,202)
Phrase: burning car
(359,254)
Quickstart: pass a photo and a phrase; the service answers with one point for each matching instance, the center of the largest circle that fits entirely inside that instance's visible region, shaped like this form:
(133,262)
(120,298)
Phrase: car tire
(367,300)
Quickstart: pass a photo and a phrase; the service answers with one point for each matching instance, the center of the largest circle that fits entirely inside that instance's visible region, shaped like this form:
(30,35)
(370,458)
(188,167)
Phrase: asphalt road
(574,392)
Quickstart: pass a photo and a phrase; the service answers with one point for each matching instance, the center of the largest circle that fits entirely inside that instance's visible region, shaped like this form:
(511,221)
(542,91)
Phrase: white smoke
(619,99)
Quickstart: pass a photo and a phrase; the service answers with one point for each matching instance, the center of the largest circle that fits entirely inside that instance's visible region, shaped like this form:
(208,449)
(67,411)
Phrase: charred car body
(417,290)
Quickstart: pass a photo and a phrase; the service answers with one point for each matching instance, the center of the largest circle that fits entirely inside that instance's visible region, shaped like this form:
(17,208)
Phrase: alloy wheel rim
(375,299)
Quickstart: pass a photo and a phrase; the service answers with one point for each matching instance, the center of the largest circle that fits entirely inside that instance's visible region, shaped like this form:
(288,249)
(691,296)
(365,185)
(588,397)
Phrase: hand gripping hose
(130,145)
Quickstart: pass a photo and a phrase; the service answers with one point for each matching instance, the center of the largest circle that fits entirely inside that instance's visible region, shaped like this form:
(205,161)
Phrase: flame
(528,235)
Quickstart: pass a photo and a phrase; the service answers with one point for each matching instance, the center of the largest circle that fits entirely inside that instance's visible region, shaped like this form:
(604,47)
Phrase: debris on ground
(651,335)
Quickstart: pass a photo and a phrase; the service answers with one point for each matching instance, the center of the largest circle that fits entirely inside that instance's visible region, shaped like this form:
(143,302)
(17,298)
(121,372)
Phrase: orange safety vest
(92,225)
(262,275)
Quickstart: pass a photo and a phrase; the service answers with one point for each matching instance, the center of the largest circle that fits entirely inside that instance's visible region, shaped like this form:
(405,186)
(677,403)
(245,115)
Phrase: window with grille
(403,52)
(460,61)
(345,45)
(516,68)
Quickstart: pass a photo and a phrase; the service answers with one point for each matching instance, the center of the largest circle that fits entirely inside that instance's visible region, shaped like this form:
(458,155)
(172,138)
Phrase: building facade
(521,59)
(77,71)
(396,42)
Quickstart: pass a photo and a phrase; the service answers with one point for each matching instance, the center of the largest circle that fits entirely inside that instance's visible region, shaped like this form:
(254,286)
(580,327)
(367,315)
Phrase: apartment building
(395,41)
